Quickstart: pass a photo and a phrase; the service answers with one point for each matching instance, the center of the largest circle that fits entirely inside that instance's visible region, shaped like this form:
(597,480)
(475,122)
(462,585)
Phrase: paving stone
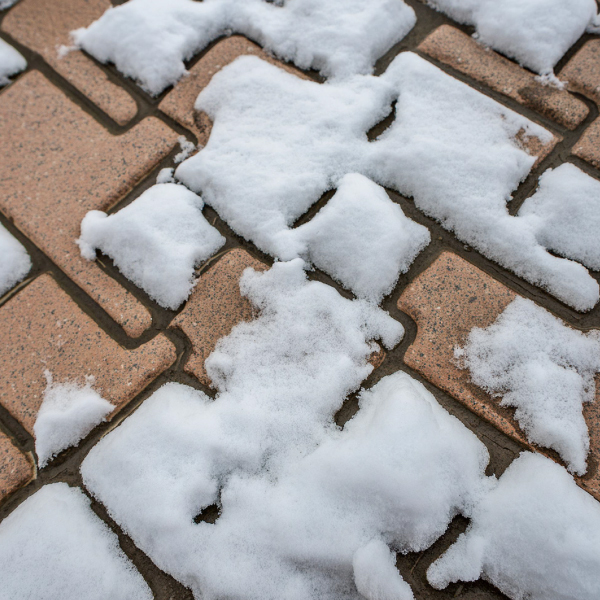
(460,51)
(42,328)
(179,103)
(58,164)
(44,26)
(448,300)
(16,470)
(588,146)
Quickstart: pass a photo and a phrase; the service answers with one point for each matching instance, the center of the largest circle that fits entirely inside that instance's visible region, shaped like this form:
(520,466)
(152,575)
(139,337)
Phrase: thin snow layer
(319,525)
(156,241)
(363,239)
(67,414)
(11,60)
(536,33)
(149,40)
(14,261)
(535,536)
(53,547)
(542,368)
(565,214)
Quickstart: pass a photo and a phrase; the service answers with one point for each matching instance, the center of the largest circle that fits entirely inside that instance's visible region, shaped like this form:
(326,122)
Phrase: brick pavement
(61,157)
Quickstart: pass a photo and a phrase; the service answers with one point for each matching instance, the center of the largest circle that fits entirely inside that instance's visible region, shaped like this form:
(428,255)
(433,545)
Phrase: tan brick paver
(44,26)
(16,469)
(58,164)
(41,329)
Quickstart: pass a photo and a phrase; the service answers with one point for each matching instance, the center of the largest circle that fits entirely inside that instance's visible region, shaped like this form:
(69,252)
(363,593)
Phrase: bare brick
(16,469)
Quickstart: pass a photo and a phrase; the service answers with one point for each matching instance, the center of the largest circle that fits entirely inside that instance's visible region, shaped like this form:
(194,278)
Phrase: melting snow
(14,261)
(11,61)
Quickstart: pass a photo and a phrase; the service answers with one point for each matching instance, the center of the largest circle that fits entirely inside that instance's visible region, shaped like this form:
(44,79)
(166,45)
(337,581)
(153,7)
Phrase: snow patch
(187,148)
(11,60)
(14,261)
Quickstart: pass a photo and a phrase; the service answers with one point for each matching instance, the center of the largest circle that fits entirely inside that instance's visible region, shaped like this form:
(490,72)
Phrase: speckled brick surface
(41,329)
(44,26)
(16,469)
(461,52)
(58,164)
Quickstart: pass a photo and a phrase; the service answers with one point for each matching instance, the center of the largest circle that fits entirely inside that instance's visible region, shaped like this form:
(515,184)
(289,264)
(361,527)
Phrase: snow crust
(544,369)
(536,33)
(156,241)
(14,261)
(363,239)
(11,60)
(149,40)
(53,547)
(536,535)
(565,214)
(67,414)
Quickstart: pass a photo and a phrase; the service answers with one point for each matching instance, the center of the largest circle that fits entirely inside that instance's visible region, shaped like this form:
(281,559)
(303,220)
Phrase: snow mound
(14,261)
(11,60)
(536,536)
(542,368)
(536,33)
(565,213)
(67,414)
(321,524)
(149,40)
(156,241)
(363,239)
(53,547)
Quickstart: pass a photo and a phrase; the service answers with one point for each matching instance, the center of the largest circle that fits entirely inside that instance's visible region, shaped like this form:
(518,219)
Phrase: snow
(156,241)
(544,369)
(11,60)
(363,239)
(536,33)
(53,547)
(565,214)
(149,40)
(535,536)
(67,414)
(4,4)
(14,261)
(165,175)
(187,148)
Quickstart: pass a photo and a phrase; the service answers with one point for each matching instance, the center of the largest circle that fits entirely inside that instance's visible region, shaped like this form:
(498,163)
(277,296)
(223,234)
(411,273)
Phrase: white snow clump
(14,261)
(11,60)
(536,33)
(565,214)
(363,239)
(53,547)
(149,40)
(156,241)
(67,414)
(536,535)
(542,368)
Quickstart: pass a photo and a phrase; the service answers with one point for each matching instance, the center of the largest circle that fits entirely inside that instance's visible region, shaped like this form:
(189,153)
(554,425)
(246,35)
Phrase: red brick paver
(44,26)
(58,164)
(41,329)
(16,469)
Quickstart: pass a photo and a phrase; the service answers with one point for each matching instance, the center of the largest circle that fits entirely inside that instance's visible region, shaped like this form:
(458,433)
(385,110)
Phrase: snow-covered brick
(536,33)
(54,547)
(565,214)
(457,152)
(14,261)
(11,60)
(67,414)
(321,525)
(544,369)
(156,241)
(536,536)
(149,40)
(363,239)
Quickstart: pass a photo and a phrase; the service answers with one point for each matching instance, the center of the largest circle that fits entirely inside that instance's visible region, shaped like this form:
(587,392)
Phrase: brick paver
(16,469)
(460,51)
(44,26)
(43,329)
(59,163)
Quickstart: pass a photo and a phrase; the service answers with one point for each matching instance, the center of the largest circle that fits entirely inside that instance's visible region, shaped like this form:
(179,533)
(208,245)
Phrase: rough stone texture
(448,300)
(460,51)
(58,164)
(179,103)
(215,307)
(16,469)
(588,146)
(44,26)
(42,328)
